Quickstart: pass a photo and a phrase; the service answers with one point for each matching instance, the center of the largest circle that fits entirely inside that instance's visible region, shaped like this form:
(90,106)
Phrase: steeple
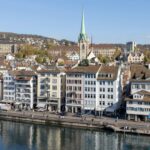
(82,24)
(82,35)
(83,40)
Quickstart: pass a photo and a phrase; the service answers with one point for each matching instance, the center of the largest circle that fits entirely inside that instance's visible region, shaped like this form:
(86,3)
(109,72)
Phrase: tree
(116,54)
(104,59)
(84,62)
(39,59)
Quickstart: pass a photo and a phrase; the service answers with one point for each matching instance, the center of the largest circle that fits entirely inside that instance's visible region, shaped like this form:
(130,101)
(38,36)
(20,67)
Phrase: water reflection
(18,136)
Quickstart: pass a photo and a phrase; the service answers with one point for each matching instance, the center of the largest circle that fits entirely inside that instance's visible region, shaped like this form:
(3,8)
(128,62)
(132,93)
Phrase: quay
(88,122)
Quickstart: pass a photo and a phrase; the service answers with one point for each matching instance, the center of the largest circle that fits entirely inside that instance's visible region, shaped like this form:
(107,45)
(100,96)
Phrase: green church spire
(82,35)
(83,25)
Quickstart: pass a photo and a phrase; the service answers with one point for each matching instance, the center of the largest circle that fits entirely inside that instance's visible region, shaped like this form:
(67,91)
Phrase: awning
(111,109)
(18,103)
(41,105)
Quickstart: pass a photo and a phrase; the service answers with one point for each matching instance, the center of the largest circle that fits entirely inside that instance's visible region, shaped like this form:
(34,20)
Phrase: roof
(108,72)
(23,78)
(22,73)
(146,97)
(139,73)
(84,69)
(50,69)
(138,54)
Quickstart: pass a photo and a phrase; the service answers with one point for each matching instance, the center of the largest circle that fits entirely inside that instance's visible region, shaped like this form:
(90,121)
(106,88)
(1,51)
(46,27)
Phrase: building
(104,50)
(1,87)
(73,56)
(93,88)
(138,102)
(51,89)
(7,47)
(20,88)
(135,57)
(131,46)
(83,41)
(81,88)
(109,89)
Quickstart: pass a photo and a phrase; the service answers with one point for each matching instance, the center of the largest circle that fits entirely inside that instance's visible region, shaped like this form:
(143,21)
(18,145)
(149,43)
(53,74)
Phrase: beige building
(7,47)
(135,57)
(109,52)
(51,89)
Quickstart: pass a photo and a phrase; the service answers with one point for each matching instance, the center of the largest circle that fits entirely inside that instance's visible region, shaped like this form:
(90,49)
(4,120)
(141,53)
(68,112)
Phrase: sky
(106,21)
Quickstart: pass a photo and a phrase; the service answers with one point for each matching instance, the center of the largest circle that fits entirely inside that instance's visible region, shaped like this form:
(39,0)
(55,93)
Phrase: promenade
(85,122)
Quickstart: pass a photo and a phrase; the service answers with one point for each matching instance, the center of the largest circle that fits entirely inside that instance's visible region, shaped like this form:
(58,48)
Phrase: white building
(138,103)
(20,88)
(93,88)
(109,89)
(73,56)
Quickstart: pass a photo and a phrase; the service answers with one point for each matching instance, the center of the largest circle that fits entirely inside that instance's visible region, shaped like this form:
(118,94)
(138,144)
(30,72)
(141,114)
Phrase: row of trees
(29,50)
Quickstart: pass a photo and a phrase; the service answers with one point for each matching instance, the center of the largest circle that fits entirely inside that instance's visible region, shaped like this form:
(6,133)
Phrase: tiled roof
(50,69)
(23,78)
(84,69)
(22,73)
(139,73)
(142,92)
(108,72)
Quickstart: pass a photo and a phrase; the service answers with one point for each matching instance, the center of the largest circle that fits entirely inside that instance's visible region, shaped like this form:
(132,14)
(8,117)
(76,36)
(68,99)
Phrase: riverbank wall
(61,122)
(72,123)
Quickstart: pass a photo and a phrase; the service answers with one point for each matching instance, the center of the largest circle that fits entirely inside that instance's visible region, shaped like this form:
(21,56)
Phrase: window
(54,87)
(143,86)
(103,103)
(54,81)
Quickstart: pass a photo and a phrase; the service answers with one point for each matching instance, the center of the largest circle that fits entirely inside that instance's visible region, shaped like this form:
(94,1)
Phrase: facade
(73,56)
(109,52)
(135,57)
(93,88)
(51,89)
(20,87)
(7,47)
(109,89)
(138,102)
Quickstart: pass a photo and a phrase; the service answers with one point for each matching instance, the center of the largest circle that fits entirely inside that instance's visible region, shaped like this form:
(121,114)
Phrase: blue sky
(107,21)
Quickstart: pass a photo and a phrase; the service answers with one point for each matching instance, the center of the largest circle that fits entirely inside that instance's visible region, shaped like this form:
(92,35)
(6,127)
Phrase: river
(19,136)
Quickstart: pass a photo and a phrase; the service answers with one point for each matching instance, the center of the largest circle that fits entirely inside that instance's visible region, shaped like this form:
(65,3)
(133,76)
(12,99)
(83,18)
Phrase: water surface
(19,136)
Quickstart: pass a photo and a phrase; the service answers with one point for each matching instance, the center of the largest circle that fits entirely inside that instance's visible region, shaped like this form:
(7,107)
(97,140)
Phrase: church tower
(83,41)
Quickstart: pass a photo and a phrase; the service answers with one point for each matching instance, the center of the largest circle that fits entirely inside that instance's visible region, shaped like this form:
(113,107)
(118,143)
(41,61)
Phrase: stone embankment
(85,122)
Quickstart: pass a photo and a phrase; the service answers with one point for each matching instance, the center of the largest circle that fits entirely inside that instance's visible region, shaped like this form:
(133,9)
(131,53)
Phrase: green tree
(39,60)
